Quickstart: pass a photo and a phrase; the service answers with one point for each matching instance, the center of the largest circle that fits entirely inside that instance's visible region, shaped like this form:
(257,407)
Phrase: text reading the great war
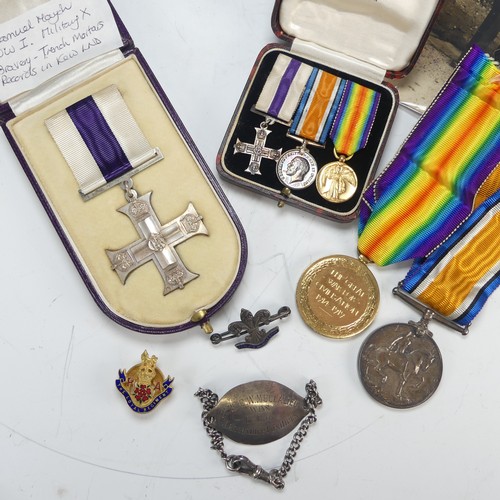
(51,38)
(338,296)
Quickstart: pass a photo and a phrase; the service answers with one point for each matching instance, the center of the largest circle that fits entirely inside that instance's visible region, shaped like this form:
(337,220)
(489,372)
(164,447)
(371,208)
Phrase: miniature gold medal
(337,182)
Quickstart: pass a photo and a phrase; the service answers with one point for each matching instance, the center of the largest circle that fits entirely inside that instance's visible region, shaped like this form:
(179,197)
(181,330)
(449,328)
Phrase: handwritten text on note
(52,38)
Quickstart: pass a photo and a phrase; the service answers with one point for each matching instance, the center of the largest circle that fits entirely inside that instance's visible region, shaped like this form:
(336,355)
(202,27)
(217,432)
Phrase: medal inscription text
(258,412)
(337,296)
(342,294)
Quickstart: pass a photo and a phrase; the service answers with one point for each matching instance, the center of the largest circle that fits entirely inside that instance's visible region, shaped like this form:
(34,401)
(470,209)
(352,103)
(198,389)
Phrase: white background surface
(66,432)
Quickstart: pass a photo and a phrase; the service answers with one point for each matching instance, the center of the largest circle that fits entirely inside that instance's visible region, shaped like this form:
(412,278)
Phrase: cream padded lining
(96,225)
(385,33)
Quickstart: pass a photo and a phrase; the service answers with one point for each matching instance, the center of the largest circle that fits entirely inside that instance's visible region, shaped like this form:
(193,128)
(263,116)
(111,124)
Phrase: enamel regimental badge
(143,386)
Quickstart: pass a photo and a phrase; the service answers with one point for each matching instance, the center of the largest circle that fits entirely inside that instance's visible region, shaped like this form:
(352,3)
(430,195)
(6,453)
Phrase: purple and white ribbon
(283,88)
(100,140)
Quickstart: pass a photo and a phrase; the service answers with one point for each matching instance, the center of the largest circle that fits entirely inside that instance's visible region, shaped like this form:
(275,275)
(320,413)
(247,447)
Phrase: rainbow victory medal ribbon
(437,201)
(354,119)
(351,127)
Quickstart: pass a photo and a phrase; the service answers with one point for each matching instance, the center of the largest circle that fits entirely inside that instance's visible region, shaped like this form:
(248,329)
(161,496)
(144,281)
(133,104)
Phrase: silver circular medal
(296,168)
(400,366)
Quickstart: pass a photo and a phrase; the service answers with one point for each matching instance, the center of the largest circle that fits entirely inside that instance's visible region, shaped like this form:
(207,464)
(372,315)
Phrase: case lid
(42,39)
(386,34)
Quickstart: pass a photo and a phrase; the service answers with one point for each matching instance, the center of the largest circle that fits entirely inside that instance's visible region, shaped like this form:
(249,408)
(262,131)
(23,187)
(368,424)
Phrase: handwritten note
(52,38)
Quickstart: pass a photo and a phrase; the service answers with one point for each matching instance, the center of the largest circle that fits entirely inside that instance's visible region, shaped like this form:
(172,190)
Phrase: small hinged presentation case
(154,238)
(363,44)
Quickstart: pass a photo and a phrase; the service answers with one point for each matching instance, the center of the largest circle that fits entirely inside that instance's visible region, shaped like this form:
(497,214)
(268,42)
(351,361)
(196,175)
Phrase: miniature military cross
(257,150)
(157,243)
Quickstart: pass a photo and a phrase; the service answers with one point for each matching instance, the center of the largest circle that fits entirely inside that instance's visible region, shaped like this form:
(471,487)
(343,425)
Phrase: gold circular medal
(338,296)
(336,182)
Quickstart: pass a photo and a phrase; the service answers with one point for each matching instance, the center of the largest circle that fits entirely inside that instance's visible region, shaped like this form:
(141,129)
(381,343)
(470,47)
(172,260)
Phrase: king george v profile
(297,170)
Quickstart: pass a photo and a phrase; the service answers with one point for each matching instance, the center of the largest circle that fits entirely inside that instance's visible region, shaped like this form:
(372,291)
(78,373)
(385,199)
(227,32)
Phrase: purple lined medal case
(144,221)
(311,124)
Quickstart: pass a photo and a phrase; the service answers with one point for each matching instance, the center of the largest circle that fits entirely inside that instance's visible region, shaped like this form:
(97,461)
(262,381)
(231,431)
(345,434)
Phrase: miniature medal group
(318,109)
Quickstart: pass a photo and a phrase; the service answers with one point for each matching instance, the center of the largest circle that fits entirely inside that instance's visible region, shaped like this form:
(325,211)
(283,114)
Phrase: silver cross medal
(258,149)
(157,242)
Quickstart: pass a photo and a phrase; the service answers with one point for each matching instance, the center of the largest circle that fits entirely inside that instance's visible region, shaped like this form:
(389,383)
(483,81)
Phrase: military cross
(257,150)
(157,243)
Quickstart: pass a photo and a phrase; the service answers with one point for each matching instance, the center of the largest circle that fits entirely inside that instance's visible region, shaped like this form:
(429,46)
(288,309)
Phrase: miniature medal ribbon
(283,88)
(445,167)
(437,201)
(101,141)
(354,119)
(352,114)
(297,168)
(318,105)
(278,100)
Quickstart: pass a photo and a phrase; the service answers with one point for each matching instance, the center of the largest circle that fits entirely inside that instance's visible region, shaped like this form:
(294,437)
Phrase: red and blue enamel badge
(143,386)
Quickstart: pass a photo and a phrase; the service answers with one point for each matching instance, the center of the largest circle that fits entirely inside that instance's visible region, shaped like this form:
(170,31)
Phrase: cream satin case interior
(215,257)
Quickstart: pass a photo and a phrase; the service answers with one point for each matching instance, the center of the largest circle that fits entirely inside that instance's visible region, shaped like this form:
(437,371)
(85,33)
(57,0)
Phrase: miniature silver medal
(297,168)
(258,150)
